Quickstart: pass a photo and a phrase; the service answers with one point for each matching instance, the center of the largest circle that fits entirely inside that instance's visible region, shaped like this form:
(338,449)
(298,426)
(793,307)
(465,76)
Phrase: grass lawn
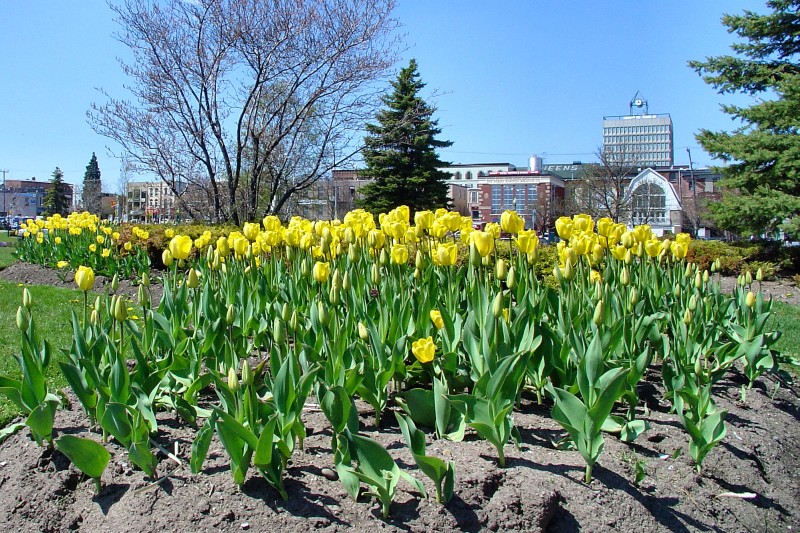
(7,252)
(51,313)
(787,321)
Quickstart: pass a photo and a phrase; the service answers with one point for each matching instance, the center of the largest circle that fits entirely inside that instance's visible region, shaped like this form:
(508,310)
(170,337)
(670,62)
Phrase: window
(497,201)
(468,175)
(458,175)
(649,204)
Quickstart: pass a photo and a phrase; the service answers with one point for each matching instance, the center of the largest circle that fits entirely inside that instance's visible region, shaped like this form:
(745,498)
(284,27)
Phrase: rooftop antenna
(638,101)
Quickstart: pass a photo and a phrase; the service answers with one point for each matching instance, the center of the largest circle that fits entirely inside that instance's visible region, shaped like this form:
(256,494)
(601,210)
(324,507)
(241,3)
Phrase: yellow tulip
(483,241)
(493,229)
(678,250)
(251,230)
(180,246)
(436,318)
(527,241)
(750,300)
(166,258)
(605,226)
(84,278)
(169,233)
(511,222)
(424,219)
(652,247)
(583,222)
(321,271)
(564,227)
(446,254)
(399,254)
(424,349)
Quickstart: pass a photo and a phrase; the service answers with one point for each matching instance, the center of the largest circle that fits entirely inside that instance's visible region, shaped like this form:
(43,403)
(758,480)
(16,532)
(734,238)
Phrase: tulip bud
(569,272)
(324,316)
(698,366)
(346,283)
(687,317)
(628,257)
(27,302)
(247,374)
(115,283)
(419,260)
(145,279)
(277,331)
(98,304)
(417,273)
(718,263)
(120,310)
(376,274)
(294,321)
(698,280)
(625,277)
(740,280)
(305,270)
(363,332)
(750,300)
(290,254)
(532,256)
(501,269)
(166,258)
(474,256)
(94,318)
(384,257)
(706,276)
(713,267)
(760,275)
(336,280)
(23,319)
(693,303)
(511,281)
(210,254)
(233,380)
(748,278)
(333,296)
(286,312)
(557,274)
(143,296)
(634,296)
(676,290)
(230,315)
(599,314)
(497,305)
(192,281)
(352,253)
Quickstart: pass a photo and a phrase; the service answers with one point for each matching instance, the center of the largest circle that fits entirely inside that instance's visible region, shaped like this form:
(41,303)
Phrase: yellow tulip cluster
(581,240)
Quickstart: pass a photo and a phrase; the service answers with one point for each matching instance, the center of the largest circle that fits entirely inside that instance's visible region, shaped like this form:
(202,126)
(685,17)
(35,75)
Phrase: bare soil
(541,489)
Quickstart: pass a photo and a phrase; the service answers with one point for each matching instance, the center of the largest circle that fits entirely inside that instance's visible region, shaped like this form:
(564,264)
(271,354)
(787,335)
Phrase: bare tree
(247,99)
(602,190)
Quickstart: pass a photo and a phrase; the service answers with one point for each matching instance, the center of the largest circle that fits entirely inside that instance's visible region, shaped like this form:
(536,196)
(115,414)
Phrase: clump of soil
(541,489)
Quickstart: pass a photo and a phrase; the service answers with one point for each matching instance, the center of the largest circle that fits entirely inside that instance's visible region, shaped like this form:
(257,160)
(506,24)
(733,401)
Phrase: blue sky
(510,78)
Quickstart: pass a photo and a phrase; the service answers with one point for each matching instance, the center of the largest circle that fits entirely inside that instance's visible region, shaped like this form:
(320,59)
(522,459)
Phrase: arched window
(468,175)
(458,175)
(649,204)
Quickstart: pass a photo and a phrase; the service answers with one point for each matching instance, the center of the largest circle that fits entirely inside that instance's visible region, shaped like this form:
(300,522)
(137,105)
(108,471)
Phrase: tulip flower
(321,271)
(424,349)
(84,278)
(436,318)
(180,246)
(399,254)
(511,222)
(483,241)
(564,227)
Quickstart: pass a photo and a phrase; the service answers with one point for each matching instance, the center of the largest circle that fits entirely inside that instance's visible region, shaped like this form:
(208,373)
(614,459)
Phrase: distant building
(149,200)
(643,139)
(25,198)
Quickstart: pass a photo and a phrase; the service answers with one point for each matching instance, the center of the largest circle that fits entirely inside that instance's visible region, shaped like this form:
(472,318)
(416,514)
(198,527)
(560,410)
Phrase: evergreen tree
(762,183)
(92,187)
(55,201)
(400,151)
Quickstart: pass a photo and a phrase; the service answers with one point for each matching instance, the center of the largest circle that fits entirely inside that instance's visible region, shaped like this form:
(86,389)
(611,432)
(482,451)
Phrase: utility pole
(5,214)
(695,217)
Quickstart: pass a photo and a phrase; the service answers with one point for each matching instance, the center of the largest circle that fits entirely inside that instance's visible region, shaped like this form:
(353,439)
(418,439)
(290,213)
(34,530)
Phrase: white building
(644,139)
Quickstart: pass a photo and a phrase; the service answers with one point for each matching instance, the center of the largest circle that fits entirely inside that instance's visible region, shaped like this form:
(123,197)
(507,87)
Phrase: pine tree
(55,201)
(762,183)
(92,187)
(400,151)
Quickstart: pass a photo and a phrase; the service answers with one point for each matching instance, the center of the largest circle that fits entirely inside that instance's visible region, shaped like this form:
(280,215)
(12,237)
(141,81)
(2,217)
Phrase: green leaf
(201,444)
(40,420)
(88,456)
(142,456)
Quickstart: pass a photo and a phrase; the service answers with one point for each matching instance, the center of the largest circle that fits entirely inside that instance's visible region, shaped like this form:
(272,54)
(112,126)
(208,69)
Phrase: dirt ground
(541,489)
